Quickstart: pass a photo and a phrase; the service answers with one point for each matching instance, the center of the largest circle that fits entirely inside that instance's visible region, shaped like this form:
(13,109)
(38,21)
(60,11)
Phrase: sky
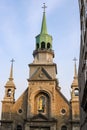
(20,22)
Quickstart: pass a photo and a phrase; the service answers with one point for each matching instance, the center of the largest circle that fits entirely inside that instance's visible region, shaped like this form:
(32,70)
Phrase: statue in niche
(41,104)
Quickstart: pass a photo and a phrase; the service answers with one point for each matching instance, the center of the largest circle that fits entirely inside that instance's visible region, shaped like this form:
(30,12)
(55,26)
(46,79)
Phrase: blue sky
(20,22)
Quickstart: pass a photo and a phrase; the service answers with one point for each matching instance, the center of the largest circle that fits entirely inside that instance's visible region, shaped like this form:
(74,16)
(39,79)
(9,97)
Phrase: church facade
(41,106)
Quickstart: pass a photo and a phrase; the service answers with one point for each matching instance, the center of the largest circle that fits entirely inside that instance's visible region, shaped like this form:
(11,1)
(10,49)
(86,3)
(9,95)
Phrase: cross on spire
(75,70)
(12,60)
(11,71)
(75,60)
(44,7)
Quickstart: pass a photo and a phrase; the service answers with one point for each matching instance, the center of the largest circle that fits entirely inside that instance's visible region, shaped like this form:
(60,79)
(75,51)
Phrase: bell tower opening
(42,45)
(48,46)
(9,93)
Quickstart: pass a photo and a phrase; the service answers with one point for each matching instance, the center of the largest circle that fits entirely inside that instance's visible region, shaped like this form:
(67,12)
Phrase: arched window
(43,45)
(8,92)
(37,45)
(48,45)
(76,92)
(63,127)
(19,127)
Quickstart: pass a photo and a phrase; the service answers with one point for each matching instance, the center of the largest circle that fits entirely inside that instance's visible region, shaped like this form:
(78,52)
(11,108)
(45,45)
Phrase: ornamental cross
(44,7)
(75,60)
(12,60)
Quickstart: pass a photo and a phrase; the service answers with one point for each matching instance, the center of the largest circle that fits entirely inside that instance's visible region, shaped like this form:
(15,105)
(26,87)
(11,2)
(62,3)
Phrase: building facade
(42,106)
(82,74)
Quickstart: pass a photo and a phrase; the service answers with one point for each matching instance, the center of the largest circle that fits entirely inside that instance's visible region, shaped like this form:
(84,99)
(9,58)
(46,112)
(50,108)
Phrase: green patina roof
(44,36)
(44,27)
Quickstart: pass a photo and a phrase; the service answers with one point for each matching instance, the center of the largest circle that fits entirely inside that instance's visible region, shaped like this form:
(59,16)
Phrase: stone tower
(9,98)
(75,101)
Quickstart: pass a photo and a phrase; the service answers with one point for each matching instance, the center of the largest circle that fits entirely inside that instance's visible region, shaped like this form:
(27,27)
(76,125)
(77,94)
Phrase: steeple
(44,26)
(11,71)
(75,70)
(43,43)
(75,95)
(75,79)
(10,86)
(74,86)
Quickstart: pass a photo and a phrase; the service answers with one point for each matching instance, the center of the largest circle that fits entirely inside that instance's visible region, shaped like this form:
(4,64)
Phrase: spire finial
(44,27)
(12,60)
(44,7)
(75,60)
(11,71)
(75,70)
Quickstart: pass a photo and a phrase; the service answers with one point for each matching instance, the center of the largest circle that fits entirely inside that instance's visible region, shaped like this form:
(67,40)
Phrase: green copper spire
(44,27)
(44,40)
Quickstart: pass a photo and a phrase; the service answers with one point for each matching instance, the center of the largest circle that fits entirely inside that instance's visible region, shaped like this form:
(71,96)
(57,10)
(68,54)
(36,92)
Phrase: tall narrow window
(37,46)
(43,45)
(48,45)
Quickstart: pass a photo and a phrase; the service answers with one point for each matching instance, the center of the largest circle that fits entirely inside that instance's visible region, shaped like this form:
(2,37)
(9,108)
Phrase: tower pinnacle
(10,87)
(75,70)
(44,7)
(11,71)
(75,78)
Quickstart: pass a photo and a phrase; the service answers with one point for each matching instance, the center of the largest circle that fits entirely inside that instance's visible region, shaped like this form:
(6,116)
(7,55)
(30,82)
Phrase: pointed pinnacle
(44,26)
(11,71)
(75,70)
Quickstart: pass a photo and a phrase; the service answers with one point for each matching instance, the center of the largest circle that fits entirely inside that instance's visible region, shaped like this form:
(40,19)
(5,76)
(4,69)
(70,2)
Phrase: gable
(40,74)
(39,117)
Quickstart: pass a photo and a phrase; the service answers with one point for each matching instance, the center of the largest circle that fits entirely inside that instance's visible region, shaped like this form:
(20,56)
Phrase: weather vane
(44,7)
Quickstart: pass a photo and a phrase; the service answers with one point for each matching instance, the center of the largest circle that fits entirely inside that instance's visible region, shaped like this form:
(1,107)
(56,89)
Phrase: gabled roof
(41,117)
(40,74)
